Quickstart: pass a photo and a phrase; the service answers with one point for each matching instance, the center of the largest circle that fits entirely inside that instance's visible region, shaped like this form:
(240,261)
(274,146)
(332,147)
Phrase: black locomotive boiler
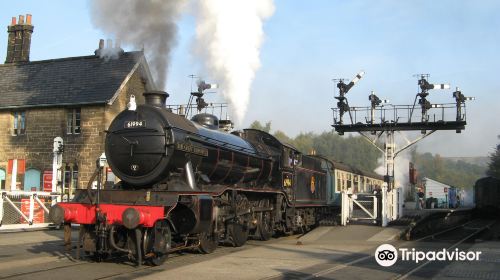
(187,185)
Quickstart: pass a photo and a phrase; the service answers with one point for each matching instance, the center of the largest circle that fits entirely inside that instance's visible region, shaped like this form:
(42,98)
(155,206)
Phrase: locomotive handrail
(219,142)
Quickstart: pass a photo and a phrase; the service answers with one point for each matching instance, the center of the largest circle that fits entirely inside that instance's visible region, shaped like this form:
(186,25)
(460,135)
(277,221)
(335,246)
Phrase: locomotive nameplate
(189,148)
(135,124)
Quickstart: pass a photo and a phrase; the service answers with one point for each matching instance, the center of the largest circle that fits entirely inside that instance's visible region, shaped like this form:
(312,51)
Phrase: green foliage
(494,166)
(259,126)
(280,135)
(455,173)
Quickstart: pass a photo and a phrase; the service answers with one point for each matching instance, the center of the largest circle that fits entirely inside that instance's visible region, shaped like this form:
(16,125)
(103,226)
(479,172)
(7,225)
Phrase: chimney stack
(19,41)
(99,50)
(108,51)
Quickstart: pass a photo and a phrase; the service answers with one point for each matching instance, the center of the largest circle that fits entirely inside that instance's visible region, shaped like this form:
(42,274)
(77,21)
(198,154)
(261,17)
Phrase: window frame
(74,121)
(18,123)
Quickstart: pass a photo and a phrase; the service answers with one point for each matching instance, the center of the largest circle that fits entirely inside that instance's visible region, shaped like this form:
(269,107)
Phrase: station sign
(47,181)
(38,213)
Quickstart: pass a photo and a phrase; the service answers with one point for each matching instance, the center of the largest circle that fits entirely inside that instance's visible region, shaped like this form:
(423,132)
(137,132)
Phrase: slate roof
(66,81)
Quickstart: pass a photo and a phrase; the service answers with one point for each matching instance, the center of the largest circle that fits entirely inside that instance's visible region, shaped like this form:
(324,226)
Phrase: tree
(280,135)
(259,126)
(494,166)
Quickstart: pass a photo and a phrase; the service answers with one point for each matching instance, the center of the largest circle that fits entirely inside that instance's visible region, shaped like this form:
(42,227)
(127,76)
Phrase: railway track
(120,267)
(449,239)
(127,267)
(457,236)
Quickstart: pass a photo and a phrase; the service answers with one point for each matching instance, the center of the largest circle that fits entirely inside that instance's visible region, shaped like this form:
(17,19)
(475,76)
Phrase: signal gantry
(382,118)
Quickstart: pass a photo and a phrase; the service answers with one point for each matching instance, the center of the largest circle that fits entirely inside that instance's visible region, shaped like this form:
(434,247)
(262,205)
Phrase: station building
(74,98)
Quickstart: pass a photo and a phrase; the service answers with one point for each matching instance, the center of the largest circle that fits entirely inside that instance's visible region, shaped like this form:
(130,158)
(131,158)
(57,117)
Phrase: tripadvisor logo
(387,255)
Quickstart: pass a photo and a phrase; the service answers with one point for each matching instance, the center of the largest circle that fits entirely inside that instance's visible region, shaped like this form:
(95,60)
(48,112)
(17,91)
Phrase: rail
(23,210)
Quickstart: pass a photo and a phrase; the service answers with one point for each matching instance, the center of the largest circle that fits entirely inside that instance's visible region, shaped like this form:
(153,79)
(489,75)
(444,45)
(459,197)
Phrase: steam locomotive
(187,185)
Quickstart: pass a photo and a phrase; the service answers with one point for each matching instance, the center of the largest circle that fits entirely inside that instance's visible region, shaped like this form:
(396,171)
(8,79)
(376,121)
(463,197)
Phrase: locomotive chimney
(19,41)
(156,98)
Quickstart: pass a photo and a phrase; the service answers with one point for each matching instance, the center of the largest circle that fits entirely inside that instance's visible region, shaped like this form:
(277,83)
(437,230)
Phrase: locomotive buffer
(384,119)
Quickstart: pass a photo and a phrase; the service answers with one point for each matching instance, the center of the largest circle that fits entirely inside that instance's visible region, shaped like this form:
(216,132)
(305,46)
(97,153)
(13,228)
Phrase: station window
(70,179)
(2,179)
(19,123)
(73,121)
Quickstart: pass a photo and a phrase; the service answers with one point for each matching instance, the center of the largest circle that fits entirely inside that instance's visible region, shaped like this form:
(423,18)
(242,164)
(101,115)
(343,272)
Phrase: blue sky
(308,43)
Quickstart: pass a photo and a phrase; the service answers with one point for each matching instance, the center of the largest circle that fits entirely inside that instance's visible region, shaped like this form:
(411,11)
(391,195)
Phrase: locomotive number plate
(135,124)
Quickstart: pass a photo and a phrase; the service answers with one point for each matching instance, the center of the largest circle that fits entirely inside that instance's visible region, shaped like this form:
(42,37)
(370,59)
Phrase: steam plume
(228,38)
(401,164)
(146,23)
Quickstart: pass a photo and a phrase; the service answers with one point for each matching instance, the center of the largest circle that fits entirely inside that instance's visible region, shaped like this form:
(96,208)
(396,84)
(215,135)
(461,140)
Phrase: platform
(420,222)
(324,253)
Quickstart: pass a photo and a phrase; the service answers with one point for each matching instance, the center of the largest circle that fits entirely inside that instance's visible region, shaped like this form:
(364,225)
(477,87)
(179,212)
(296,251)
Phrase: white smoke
(401,170)
(229,35)
(148,24)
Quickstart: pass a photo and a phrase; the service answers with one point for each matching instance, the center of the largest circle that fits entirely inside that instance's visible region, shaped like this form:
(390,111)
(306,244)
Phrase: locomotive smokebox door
(136,145)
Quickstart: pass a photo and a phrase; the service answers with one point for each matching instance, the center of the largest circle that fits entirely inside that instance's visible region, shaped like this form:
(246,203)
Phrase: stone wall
(44,124)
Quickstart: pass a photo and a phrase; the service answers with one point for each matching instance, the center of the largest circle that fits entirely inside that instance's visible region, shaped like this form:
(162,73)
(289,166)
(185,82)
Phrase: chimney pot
(19,40)
(109,44)
(101,44)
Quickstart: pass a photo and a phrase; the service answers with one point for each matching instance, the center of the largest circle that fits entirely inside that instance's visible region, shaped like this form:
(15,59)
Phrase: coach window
(73,121)
(356,184)
(339,181)
(19,123)
(349,181)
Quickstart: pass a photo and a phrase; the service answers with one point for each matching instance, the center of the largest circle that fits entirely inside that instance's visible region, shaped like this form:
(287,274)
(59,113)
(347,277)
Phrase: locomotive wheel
(238,228)
(157,242)
(100,257)
(209,241)
(265,221)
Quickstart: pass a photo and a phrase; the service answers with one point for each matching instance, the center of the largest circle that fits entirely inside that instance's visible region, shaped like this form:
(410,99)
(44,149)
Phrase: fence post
(32,209)
(375,210)
(395,202)
(384,205)
(345,209)
(400,202)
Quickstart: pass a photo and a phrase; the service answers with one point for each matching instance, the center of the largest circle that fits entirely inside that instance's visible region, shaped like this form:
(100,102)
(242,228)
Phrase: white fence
(24,210)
